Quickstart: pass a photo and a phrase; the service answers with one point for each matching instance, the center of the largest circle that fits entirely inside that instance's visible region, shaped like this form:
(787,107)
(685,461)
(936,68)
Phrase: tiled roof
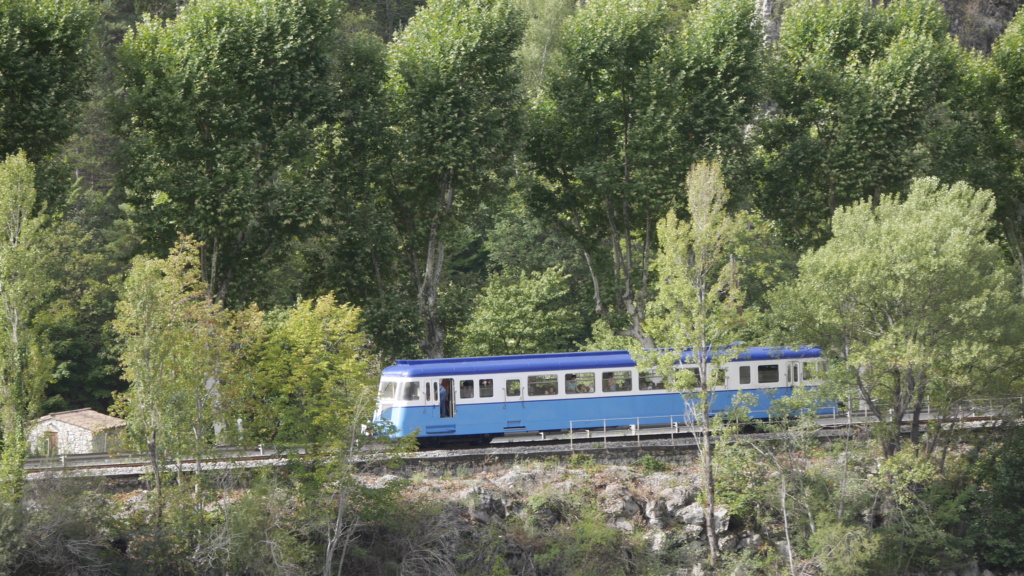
(84,418)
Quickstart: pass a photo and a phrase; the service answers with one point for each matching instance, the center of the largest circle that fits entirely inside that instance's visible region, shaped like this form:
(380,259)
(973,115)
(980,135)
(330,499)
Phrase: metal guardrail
(107,460)
(632,426)
(677,424)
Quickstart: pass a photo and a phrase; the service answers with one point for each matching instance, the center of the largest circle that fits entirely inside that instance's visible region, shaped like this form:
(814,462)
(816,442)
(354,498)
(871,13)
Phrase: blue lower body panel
(562,413)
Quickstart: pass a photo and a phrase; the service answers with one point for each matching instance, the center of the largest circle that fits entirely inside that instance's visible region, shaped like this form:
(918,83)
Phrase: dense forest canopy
(432,163)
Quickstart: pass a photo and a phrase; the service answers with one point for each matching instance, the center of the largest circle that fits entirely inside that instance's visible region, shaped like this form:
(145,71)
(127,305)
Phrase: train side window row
(585,383)
(466,388)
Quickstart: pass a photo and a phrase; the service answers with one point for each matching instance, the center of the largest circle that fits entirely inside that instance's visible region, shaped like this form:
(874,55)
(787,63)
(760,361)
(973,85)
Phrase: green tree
(698,308)
(175,352)
(529,314)
(1007,86)
(219,112)
(999,522)
(541,42)
(356,252)
(313,379)
(45,57)
(624,113)
(455,101)
(913,302)
(852,90)
(25,362)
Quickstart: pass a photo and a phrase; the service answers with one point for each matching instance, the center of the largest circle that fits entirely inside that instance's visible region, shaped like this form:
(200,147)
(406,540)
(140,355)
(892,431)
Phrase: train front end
(398,398)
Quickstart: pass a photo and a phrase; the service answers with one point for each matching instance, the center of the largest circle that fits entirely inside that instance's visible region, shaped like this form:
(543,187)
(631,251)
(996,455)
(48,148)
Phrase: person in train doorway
(443,397)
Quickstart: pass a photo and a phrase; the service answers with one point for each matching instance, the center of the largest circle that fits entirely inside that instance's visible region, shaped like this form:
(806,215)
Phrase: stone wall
(69,439)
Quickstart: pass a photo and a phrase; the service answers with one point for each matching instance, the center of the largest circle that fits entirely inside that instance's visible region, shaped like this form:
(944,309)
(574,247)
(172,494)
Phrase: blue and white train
(461,398)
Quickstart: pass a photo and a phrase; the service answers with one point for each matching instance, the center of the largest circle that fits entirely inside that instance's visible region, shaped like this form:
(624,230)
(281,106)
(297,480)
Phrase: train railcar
(487,396)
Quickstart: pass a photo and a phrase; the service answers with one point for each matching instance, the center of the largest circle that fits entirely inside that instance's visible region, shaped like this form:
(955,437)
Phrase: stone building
(74,432)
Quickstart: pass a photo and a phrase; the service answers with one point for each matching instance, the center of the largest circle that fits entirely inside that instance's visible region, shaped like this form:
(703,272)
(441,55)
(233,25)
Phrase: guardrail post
(63,461)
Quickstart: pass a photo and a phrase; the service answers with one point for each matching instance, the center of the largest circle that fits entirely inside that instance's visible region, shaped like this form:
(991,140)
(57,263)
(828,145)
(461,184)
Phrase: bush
(998,525)
(649,464)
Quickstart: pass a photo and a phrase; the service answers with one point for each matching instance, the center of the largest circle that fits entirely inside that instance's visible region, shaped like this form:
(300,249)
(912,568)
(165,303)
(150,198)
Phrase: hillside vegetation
(222,218)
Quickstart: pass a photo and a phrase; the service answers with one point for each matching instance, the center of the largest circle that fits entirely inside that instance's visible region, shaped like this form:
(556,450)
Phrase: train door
(433,396)
(513,391)
(792,373)
(447,398)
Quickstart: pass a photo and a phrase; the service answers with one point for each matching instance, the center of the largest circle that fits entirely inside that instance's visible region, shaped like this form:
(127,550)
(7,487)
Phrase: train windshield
(411,391)
(387,390)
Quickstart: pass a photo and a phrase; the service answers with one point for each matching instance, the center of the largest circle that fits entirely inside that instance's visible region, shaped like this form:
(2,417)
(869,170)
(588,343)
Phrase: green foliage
(1003,80)
(62,527)
(76,311)
(845,550)
(700,299)
(1008,57)
(903,475)
(744,480)
(568,535)
(581,141)
(584,461)
(25,361)
(45,56)
(540,51)
(998,524)
(220,110)
(585,546)
(529,315)
(912,298)
(312,383)
(618,124)
(855,88)
(260,533)
(175,351)
(455,110)
(650,465)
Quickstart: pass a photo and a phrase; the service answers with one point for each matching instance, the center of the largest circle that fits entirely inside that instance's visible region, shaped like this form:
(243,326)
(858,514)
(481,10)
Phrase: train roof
(564,361)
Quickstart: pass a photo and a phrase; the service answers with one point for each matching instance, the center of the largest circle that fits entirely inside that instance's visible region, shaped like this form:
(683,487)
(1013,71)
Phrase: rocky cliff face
(977,23)
(533,515)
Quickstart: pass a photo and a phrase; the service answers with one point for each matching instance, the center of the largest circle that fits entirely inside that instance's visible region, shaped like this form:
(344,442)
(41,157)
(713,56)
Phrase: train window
(512,387)
(465,389)
(617,381)
(582,383)
(542,385)
(649,381)
(387,390)
(486,388)
(768,374)
(411,391)
(813,370)
(696,376)
(744,374)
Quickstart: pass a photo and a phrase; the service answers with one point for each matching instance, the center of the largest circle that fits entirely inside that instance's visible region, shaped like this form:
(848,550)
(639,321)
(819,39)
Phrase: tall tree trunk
(707,461)
(432,343)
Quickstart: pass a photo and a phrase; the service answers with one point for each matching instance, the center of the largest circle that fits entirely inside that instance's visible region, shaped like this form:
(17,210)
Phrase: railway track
(604,438)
